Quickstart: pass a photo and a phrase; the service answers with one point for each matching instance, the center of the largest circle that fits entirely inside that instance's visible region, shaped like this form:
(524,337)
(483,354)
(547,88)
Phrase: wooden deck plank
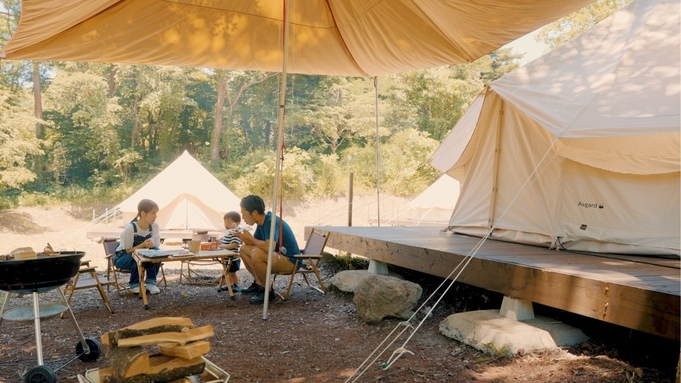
(632,291)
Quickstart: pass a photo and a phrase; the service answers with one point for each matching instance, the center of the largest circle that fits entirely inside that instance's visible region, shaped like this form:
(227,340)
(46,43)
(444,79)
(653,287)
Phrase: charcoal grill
(35,276)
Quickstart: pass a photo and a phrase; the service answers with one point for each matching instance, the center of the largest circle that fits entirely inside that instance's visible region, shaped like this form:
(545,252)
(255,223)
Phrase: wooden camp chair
(87,278)
(308,261)
(110,245)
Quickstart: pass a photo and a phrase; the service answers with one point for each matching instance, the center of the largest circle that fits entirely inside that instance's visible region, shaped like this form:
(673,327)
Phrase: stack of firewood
(180,346)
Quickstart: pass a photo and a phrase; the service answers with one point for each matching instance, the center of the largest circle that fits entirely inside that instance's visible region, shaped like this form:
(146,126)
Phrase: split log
(151,326)
(180,338)
(189,351)
(129,361)
(163,369)
(105,374)
(181,346)
(162,364)
(161,321)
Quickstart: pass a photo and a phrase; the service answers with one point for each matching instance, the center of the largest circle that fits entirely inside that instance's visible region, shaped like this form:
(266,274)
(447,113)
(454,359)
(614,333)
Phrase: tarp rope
(460,267)
(283,146)
(281,201)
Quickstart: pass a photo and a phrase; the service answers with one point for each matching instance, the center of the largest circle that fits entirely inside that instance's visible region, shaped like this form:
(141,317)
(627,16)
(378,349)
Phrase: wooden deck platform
(636,292)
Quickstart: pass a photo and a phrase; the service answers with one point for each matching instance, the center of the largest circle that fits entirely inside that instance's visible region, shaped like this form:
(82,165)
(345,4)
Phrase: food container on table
(209,246)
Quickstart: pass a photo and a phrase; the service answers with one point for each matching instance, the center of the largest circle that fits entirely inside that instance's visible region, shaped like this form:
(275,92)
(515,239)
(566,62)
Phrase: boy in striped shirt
(232,242)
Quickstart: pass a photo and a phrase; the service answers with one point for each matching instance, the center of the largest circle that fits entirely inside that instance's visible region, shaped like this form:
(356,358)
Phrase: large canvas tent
(579,148)
(188,196)
(435,204)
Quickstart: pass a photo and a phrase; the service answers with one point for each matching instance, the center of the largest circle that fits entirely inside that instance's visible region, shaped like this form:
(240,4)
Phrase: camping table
(183,255)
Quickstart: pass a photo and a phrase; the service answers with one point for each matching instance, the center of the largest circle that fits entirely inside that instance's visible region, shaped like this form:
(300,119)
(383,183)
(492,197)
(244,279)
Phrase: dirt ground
(311,337)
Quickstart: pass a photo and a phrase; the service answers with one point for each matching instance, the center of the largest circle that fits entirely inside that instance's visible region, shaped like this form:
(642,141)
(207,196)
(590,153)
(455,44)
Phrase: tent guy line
(460,267)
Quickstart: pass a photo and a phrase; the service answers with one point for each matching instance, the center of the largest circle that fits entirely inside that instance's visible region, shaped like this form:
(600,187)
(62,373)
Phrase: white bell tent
(188,196)
(579,148)
(436,203)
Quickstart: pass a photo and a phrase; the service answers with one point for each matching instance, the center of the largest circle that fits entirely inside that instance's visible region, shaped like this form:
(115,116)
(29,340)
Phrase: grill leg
(72,317)
(36,320)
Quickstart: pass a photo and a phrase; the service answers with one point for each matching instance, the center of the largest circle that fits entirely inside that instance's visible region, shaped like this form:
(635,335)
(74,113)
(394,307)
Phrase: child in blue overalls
(141,233)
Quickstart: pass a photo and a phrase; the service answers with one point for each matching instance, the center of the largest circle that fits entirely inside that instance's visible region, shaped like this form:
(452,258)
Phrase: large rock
(348,280)
(381,296)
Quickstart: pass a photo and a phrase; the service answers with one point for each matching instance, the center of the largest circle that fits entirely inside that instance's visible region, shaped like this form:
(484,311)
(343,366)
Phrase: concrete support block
(491,333)
(516,309)
(378,268)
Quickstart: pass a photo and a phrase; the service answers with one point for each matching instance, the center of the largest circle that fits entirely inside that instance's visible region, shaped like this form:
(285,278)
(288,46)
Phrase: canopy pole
(277,168)
(378,167)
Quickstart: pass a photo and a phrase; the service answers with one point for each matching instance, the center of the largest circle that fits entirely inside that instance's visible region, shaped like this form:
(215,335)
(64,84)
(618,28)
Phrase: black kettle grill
(38,275)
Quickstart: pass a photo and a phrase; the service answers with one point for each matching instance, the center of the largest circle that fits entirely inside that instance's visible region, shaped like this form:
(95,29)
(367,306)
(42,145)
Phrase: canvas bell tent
(188,197)
(435,205)
(579,148)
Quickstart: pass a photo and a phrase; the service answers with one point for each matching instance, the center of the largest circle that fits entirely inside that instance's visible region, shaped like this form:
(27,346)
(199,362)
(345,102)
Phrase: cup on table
(194,246)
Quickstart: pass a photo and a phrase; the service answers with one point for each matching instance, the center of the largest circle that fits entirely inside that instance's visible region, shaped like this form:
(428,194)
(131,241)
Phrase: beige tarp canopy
(581,146)
(327,37)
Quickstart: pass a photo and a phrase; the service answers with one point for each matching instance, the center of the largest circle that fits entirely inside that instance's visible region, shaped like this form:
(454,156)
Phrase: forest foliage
(97,131)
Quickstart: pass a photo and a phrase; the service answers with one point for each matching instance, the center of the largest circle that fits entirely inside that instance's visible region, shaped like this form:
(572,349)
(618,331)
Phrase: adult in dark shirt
(254,246)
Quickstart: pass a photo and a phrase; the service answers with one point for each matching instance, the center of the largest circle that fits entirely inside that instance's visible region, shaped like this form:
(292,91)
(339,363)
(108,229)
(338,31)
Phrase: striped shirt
(231,238)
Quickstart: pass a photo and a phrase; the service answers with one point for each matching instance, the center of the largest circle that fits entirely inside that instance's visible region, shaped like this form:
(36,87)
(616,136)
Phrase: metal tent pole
(378,145)
(277,168)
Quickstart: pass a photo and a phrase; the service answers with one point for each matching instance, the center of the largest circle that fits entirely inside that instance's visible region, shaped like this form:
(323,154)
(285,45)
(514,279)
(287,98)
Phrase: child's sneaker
(235,288)
(135,290)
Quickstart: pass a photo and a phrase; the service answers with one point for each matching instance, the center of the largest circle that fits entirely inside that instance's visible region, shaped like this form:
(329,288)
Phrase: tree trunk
(136,134)
(38,104)
(217,133)
(229,118)
(268,133)
(112,80)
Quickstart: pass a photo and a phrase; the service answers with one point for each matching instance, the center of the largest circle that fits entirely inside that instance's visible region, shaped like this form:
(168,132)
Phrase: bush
(402,172)
(329,177)
(36,199)
(81,199)
(304,176)
(346,261)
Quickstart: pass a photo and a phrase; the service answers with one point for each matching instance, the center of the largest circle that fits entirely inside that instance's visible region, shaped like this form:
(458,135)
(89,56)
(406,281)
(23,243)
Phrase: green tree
(18,142)
(337,112)
(257,176)
(576,23)
(14,73)
(82,136)
(231,85)
(11,72)
(403,166)
(433,100)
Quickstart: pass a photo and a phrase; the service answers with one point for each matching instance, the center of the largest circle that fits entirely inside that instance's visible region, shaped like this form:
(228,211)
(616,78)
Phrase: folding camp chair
(110,245)
(308,261)
(86,279)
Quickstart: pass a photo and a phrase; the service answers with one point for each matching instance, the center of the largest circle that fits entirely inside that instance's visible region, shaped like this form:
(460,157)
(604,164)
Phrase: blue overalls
(124,260)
